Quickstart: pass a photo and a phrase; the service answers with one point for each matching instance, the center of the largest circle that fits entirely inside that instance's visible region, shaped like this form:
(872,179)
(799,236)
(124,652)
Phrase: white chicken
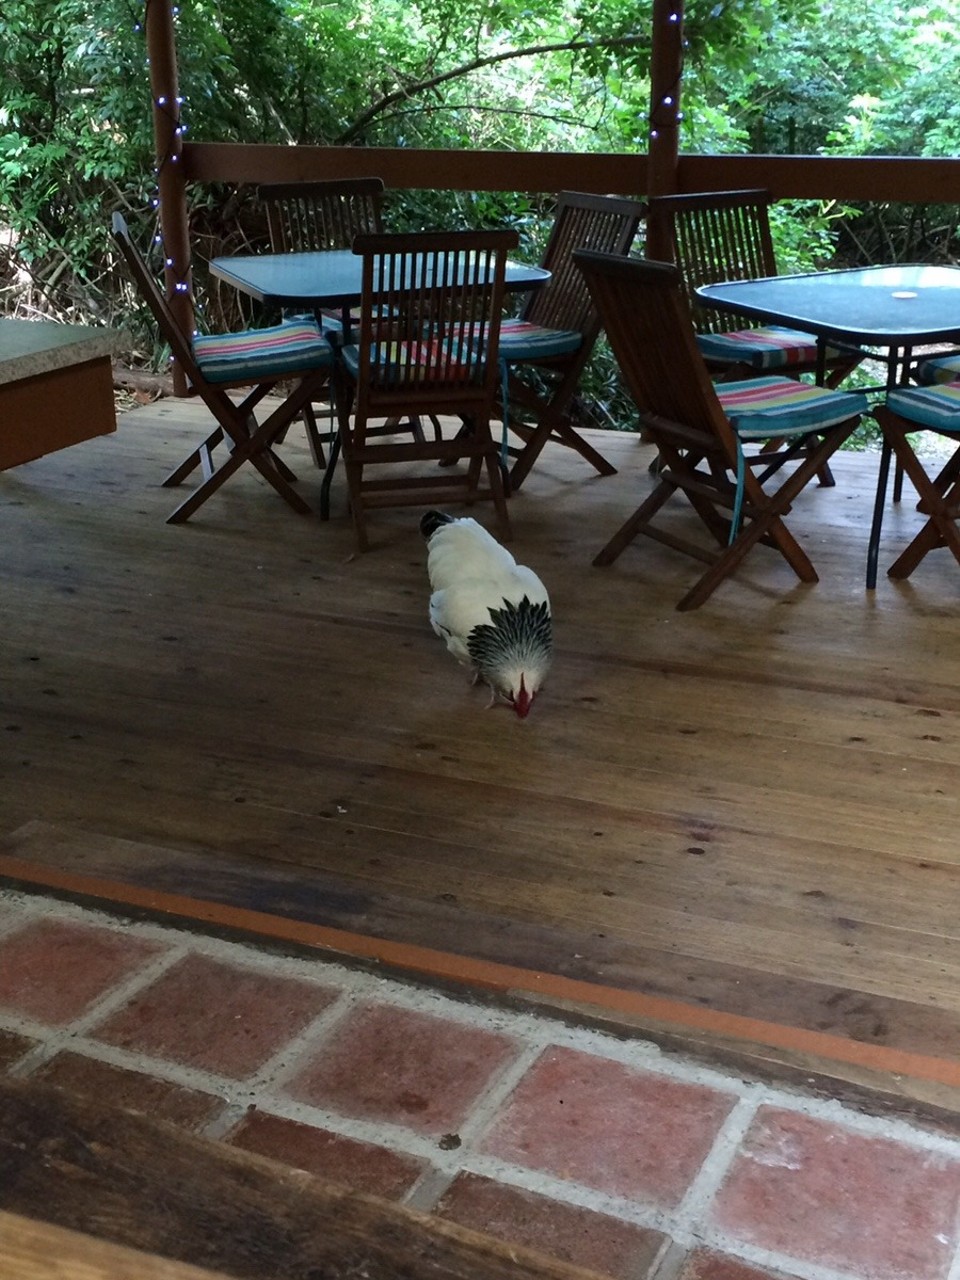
(493,613)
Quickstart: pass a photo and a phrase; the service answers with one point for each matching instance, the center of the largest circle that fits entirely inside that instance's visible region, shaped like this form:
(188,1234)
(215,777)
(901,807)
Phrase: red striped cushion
(520,340)
(761,408)
(296,346)
(397,358)
(767,347)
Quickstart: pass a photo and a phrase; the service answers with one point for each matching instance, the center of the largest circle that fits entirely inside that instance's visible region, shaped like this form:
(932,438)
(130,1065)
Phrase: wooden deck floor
(747,814)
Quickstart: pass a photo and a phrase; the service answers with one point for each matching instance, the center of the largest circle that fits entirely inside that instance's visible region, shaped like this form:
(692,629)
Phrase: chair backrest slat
(718,235)
(430,316)
(650,330)
(606,224)
(310,216)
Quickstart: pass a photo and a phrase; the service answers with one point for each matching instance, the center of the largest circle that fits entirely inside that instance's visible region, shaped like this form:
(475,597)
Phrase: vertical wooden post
(666,68)
(172,190)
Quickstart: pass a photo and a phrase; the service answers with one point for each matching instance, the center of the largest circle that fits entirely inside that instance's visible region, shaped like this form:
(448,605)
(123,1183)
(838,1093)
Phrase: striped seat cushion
(520,340)
(425,356)
(943,369)
(769,347)
(296,346)
(765,408)
(937,407)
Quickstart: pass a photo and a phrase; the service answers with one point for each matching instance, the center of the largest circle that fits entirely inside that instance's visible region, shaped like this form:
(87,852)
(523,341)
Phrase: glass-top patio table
(890,308)
(323,280)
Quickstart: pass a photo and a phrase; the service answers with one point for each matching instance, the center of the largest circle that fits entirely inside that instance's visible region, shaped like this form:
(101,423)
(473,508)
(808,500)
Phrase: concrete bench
(56,387)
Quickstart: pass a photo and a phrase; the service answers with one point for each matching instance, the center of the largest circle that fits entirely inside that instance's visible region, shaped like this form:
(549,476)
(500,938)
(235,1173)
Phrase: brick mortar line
(702,1190)
(13,923)
(426,1192)
(160,1069)
(638,1212)
(287,1059)
(109,1002)
(953,1271)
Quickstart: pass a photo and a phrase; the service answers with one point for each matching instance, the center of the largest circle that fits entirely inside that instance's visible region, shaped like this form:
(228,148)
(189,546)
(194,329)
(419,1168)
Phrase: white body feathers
(473,580)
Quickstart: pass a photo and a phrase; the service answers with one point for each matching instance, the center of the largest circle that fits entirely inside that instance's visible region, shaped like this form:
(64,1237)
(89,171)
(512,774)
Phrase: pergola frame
(661,170)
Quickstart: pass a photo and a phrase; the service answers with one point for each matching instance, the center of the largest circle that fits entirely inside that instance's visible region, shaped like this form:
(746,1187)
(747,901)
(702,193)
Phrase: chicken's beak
(523,701)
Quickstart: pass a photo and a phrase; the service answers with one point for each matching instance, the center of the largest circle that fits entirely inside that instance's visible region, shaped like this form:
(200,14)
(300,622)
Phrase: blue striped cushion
(520,340)
(769,347)
(764,408)
(296,346)
(937,407)
(944,369)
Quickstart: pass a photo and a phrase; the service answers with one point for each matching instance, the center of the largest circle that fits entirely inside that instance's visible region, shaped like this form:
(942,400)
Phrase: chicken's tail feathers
(432,521)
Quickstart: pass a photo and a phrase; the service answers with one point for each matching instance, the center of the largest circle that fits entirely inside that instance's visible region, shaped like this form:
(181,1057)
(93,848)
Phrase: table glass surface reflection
(886,306)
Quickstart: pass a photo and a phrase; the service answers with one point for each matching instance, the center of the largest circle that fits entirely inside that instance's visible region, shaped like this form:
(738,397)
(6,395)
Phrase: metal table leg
(873,547)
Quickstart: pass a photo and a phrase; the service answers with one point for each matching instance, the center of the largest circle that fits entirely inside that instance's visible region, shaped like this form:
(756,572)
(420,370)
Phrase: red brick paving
(90,1078)
(12,1047)
(581,1236)
(53,970)
(403,1067)
(590,1156)
(221,1018)
(629,1133)
(818,1192)
(362,1165)
(704,1264)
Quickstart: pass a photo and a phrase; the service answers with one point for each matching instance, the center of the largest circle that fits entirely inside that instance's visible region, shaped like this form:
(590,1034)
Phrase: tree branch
(422,86)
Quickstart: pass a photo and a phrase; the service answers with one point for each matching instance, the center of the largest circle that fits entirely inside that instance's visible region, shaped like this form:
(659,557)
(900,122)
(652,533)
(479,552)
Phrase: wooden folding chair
(258,360)
(906,412)
(306,216)
(700,428)
(427,346)
(725,235)
(554,336)
(303,217)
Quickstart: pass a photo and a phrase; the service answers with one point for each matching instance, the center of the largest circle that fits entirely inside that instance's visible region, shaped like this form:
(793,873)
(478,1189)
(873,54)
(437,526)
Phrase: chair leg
(200,457)
(313,437)
(940,504)
(556,427)
(327,480)
(763,521)
(631,527)
(498,493)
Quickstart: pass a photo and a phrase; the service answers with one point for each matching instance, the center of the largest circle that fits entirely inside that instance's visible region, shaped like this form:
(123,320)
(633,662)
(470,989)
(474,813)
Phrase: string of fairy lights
(664,113)
(171,108)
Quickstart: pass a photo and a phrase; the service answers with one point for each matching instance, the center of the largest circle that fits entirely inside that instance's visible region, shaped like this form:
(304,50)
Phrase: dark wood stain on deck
(750,808)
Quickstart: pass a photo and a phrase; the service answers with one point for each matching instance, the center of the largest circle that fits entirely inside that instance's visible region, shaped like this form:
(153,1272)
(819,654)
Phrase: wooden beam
(862,178)
(171,181)
(401,168)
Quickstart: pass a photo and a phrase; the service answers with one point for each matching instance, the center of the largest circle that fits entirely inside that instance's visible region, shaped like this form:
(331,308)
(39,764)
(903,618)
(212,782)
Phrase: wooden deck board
(750,808)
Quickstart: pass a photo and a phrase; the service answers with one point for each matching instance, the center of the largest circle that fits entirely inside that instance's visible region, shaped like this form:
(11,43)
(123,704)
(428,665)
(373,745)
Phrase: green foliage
(863,77)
